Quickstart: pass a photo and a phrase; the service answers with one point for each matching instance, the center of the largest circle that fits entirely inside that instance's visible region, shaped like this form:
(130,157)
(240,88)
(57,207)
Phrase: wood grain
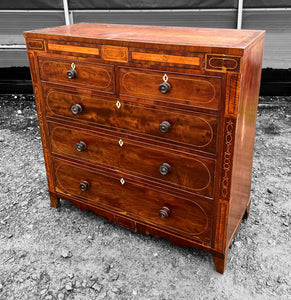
(232,95)
(188,218)
(193,173)
(227,39)
(199,91)
(91,76)
(166,58)
(187,129)
(114,53)
(41,119)
(73,49)
(244,139)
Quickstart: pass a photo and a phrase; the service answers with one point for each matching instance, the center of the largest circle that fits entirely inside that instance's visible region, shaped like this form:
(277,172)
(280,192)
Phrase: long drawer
(188,218)
(99,77)
(191,90)
(196,130)
(189,172)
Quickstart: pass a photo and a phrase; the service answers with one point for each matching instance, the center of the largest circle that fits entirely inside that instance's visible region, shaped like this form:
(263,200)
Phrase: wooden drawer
(93,76)
(189,218)
(191,90)
(191,172)
(191,129)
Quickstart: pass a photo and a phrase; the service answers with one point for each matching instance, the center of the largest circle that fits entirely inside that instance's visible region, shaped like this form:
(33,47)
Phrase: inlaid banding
(73,49)
(115,53)
(176,59)
(33,44)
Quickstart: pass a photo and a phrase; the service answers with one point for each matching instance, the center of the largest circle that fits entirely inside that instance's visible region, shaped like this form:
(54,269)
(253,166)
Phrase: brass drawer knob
(165,169)
(76,109)
(164,126)
(84,186)
(72,73)
(164,87)
(81,146)
(164,212)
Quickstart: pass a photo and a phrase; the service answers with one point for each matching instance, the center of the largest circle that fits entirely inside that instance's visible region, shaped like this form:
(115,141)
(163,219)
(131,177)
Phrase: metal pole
(66,12)
(71,13)
(239,13)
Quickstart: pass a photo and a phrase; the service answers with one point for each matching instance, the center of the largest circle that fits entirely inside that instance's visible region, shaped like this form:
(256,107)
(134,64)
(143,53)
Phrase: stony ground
(65,253)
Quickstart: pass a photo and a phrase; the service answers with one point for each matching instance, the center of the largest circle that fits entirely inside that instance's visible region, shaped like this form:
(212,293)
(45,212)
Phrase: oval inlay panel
(203,91)
(188,129)
(206,127)
(187,172)
(84,74)
(35,45)
(220,62)
(142,87)
(187,217)
(93,76)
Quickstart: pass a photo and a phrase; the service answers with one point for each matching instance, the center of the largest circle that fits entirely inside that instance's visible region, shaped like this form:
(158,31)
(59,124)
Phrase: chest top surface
(156,35)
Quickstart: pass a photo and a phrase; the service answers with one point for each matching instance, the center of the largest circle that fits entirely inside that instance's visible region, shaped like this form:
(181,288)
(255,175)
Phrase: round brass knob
(164,87)
(165,126)
(81,146)
(72,74)
(76,109)
(165,169)
(164,212)
(84,186)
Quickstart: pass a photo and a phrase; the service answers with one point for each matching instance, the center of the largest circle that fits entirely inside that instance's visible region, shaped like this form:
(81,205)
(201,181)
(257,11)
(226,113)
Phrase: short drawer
(72,72)
(130,198)
(189,172)
(195,130)
(191,90)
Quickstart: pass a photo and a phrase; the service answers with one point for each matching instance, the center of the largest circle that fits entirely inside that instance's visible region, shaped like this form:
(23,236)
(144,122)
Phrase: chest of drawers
(150,127)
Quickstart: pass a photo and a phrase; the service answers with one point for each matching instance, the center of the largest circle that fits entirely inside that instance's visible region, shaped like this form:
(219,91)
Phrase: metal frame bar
(71,15)
(66,12)
(9,47)
(268,9)
(150,10)
(140,10)
(31,10)
(240,13)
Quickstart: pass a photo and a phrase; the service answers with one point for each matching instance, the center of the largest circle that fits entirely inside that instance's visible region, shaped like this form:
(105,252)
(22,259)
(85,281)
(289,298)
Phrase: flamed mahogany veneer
(150,127)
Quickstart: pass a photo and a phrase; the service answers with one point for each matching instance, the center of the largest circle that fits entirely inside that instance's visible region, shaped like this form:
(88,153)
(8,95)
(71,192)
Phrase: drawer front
(85,75)
(193,173)
(191,90)
(197,130)
(189,218)
(73,48)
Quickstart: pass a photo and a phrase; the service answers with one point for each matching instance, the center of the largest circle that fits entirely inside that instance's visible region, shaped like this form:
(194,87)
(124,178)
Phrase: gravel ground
(65,253)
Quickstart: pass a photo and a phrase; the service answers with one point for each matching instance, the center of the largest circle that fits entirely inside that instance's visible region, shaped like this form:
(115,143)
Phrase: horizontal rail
(31,10)
(151,10)
(142,10)
(4,47)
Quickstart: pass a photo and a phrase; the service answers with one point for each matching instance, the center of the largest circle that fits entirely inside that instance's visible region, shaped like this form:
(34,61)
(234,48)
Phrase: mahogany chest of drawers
(150,127)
